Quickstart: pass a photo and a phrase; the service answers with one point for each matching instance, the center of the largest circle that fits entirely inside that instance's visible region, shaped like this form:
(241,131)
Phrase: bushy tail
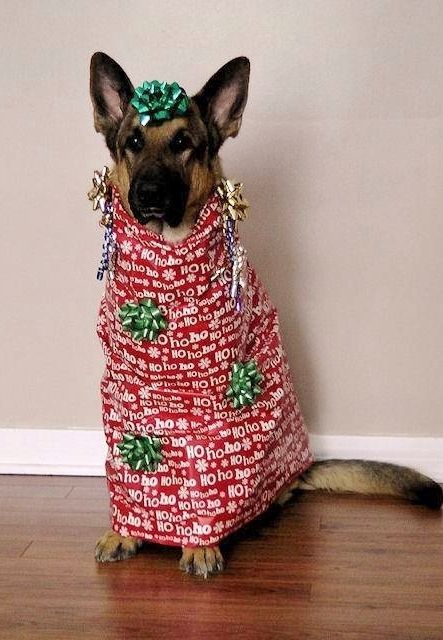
(364,476)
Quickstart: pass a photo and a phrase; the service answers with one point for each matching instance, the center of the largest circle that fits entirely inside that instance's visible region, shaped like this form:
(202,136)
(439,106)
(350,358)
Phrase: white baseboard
(81,452)
(58,452)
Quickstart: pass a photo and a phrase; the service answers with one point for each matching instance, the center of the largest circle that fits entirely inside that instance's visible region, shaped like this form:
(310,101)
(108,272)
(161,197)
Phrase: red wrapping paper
(221,466)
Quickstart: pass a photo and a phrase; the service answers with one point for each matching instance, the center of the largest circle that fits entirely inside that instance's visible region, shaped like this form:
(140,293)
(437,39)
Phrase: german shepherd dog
(164,175)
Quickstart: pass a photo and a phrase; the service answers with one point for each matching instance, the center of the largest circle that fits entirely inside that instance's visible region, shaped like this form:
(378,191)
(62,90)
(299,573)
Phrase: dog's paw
(201,561)
(112,547)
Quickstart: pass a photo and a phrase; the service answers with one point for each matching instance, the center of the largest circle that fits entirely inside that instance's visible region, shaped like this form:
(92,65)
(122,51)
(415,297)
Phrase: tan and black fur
(164,174)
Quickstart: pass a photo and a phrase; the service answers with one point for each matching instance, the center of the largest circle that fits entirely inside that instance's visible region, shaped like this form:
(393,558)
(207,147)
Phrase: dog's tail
(364,476)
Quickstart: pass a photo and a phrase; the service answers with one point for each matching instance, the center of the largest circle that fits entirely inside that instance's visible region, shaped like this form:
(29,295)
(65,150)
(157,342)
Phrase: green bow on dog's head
(159,101)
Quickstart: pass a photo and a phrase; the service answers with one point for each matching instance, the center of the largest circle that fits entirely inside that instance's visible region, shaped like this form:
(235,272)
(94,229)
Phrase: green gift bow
(141,452)
(158,101)
(245,383)
(143,319)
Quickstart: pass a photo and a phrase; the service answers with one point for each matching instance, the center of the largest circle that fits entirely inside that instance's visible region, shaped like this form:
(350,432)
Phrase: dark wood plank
(329,567)
(34,491)
(49,504)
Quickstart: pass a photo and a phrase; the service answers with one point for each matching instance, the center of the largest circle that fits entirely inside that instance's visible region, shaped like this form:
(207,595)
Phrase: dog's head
(166,171)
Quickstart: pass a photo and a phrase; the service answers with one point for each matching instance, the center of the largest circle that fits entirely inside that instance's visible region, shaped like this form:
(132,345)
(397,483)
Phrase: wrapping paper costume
(201,420)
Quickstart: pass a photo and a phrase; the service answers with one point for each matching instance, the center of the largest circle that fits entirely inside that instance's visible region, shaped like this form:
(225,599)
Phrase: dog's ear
(111,91)
(223,99)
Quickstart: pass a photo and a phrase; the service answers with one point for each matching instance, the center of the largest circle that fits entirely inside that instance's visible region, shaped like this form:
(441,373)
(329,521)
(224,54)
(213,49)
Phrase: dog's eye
(180,142)
(135,143)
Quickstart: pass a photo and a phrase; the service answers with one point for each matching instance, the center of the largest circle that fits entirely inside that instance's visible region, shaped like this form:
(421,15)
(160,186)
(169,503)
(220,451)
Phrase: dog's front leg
(113,547)
(201,561)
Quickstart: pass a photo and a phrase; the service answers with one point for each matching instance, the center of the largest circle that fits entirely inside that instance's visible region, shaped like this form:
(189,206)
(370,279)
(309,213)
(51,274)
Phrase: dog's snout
(149,194)
(158,194)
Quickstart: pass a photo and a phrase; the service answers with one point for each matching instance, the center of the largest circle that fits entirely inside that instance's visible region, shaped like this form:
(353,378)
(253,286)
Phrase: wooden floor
(327,567)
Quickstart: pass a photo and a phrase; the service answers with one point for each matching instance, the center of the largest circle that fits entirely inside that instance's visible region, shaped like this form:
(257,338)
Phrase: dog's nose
(149,194)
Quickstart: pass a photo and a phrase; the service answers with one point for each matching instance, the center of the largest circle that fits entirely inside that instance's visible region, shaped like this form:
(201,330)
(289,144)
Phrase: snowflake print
(276,413)
(165,358)
(191,277)
(147,524)
(201,465)
(218,527)
(126,247)
(169,275)
(222,341)
(224,463)
(196,346)
(144,393)
(197,411)
(153,352)
(183,493)
(189,257)
(231,507)
(134,256)
(213,465)
(124,532)
(142,364)
(246,442)
(182,423)
(204,363)
(214,324)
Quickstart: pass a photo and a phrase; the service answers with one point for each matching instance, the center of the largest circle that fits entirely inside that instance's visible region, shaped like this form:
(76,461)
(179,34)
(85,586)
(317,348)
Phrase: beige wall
(341,153)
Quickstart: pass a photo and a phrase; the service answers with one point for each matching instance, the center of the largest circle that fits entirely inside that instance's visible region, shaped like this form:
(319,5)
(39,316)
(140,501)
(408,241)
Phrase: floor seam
(25,549)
